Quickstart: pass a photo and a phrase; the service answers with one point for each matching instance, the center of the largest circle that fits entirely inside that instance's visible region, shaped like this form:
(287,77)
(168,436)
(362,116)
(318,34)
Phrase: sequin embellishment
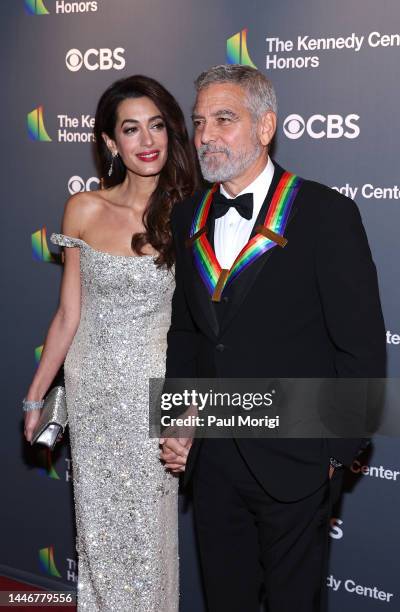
(125,502)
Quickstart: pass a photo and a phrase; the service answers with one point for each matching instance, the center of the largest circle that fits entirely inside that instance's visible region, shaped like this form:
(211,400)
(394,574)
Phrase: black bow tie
(243,204)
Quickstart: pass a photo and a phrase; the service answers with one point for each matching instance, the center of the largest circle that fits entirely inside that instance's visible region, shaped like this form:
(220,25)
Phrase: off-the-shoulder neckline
(104,252)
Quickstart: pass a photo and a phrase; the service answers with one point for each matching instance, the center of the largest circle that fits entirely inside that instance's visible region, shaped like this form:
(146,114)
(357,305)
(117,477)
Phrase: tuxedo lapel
(241,285)
(202,304)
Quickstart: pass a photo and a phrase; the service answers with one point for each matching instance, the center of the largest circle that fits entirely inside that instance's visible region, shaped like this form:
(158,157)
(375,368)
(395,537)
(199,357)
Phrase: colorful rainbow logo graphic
(36,7)
(38,353)
(47,563)
(236,50)
(47,468)
(40,249)
(36,128)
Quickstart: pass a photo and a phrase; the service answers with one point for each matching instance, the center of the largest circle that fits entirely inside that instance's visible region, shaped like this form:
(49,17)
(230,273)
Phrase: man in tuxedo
(258,298)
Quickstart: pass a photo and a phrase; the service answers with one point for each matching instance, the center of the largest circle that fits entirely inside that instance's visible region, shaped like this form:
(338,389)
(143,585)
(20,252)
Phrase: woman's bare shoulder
(86,200)
(81,209)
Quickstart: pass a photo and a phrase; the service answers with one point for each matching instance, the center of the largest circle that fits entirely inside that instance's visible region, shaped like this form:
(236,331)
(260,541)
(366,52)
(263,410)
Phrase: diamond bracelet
(31,405)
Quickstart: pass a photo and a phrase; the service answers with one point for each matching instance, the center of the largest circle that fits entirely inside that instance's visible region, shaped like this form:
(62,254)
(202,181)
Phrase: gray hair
(261,96)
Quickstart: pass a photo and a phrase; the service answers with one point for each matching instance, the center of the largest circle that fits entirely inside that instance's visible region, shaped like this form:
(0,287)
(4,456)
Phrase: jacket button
(225,299)
(220,347)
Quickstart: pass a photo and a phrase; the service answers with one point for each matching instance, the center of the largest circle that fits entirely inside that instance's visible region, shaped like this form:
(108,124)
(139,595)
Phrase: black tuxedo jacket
(311,309)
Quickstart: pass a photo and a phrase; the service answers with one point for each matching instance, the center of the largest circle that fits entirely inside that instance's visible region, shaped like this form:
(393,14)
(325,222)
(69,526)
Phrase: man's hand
(175,449)
(331,471)
(175,452)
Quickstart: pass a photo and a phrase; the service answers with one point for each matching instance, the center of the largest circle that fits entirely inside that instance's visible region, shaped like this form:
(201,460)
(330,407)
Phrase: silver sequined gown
(125,502)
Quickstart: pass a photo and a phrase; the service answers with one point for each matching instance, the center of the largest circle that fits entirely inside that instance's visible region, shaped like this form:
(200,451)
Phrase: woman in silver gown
(111,328)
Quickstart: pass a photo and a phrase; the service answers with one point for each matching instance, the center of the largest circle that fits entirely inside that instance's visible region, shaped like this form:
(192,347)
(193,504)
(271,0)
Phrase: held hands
(176,444)
(175,452)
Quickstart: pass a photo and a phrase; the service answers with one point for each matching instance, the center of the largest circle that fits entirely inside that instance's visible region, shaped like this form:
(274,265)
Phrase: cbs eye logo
(294,126)
(322,126)
(95,59)
(76,184)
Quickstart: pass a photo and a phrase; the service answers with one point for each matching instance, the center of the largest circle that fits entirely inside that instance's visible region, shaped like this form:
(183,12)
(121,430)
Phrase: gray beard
(235,164)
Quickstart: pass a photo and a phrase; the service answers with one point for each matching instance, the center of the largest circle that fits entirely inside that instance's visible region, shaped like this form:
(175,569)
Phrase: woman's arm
(65,322)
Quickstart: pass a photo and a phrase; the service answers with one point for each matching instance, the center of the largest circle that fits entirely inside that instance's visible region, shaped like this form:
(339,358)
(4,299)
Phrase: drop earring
(111,168)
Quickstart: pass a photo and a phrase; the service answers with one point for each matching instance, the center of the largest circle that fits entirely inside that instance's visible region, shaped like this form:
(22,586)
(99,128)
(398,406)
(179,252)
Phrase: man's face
(225,132)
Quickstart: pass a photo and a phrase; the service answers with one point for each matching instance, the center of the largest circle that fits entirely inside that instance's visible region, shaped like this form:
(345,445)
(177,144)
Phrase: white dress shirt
(232,231)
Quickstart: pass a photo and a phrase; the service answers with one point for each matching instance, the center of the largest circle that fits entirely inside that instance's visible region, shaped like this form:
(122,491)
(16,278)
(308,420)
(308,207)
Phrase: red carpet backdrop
(336,69)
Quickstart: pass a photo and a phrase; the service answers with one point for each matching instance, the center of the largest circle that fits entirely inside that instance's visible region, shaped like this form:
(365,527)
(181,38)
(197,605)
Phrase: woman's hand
(31,420)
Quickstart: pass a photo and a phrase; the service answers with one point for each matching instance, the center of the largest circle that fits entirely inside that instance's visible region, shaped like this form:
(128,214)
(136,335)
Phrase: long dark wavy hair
(178,178)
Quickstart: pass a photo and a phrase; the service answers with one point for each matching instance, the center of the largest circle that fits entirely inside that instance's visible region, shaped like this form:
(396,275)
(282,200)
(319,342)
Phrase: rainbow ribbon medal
(268,235)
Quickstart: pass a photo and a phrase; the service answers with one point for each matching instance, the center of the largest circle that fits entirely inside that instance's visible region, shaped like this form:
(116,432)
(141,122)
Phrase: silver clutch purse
(53,419)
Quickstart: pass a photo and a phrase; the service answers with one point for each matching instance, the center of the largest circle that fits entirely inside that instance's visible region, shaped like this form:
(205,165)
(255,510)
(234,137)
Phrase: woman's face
(141,137)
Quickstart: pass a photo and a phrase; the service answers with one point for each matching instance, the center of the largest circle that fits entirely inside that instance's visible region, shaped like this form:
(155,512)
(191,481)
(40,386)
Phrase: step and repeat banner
(336,69)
